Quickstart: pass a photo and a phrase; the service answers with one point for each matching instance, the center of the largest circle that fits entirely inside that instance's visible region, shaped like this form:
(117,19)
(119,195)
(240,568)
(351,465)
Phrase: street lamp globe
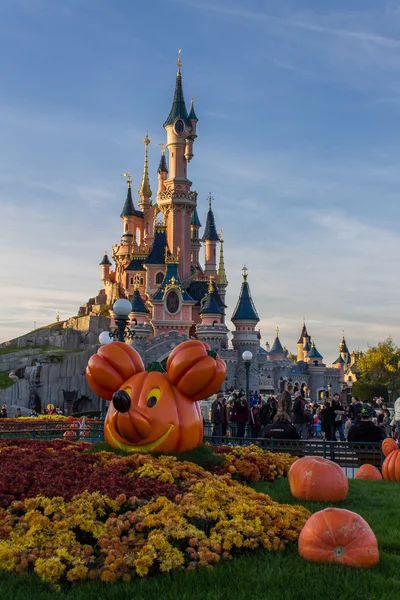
(105,338)
(247,356)
(122,308)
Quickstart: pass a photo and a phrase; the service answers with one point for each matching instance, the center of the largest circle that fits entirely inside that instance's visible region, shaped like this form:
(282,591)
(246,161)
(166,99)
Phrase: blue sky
(298,105)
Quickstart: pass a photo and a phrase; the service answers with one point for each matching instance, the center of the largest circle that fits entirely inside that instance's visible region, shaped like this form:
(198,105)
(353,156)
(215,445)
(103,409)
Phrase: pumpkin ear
(195,370)
(110,367)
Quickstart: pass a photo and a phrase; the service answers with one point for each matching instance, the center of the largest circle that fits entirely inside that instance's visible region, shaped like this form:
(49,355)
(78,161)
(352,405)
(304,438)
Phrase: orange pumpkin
(339,536)
(391,466)
(388,445)
(368,472)
(318,480)
(155,411)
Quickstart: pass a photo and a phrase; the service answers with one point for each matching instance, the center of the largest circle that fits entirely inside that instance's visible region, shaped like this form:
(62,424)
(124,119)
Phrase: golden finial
(179,61)
(145,189)
(244,271)
(146,139)
(136,283)
(313,343)
(221,279)
(162,148)
(128,178)
(220,235)
(277,332)
(210,284)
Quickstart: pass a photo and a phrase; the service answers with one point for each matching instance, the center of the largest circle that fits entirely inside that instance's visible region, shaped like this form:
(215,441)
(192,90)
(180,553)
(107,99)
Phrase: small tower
(222,281)
(195,243)
(140,322)
(344,351)
(303,341)
(145,190)
(212,330)
(162,171)
(314,357)
(210,239)
(105,267)
(245,337)
(276,352)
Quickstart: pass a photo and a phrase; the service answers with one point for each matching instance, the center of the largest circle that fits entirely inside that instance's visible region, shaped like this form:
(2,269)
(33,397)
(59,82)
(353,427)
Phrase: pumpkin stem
(212,353)
(339,551)
(155,366)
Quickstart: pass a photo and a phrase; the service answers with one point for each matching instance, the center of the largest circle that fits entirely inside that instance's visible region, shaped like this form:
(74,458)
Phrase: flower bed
(252,463)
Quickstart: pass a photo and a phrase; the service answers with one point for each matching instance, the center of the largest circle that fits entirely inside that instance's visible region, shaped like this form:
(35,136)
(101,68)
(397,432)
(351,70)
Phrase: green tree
(380,365)
(292,357)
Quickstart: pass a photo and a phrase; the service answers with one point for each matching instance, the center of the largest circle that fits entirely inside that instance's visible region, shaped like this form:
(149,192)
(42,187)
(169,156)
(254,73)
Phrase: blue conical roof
(138,306)
(192,114)
(339,361)
(210,306)
(129,209)
(277,347)
(157,252)
(172,279)
(162,167)
(314,352)
(210,231)
(307,346)
(178,109)
(194,219)
(303,334)
(245,309)
(105,260)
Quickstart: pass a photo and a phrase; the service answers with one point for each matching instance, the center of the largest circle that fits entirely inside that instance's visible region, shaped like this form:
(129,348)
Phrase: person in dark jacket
(285,400)
(240,415)
(338,418)
(326,419)
(268,411)
(299,417)
(281,428)
(364,430)
(354,410)
(219,415)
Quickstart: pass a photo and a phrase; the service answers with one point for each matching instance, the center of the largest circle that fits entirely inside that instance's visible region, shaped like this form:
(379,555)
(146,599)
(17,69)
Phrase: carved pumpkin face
(155,411)
(147,414)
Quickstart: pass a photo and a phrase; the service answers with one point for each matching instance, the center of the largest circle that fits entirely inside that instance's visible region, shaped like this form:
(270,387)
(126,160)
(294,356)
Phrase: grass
(262,575)
(5,381)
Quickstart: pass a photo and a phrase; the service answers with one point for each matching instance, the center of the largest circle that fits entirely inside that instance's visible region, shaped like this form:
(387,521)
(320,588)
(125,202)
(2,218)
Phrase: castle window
(138,236)
(141,281)
(126,227)
(131,280)
(159,277)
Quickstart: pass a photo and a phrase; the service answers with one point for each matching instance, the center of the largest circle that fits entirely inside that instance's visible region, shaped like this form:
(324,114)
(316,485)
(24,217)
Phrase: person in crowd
(338,417)
(255,421)
(354,410)
(364,429)
(309,421)
(300,419)
(268,411)
(396,416)
(240,415)
(219,415)
(281,428)
(285,399)
(326,419)
(18,413)
(3,413)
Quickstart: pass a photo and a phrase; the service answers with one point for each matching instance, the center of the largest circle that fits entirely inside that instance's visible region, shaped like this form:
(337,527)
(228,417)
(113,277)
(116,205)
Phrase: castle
(174,297)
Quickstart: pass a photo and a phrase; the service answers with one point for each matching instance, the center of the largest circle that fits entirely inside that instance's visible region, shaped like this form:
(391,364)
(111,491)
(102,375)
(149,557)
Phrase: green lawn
(263,575)
(5,381)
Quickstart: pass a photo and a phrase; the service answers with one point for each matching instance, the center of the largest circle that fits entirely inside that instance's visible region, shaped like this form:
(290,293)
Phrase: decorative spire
(162,167)
(145,190)
(277,346)
(210,231)
(106,260)
(245,309)
(128,209)
(277,332)
(314,352)
(221,279)
(210,284)
(303,333)
(192,114)
(178,109)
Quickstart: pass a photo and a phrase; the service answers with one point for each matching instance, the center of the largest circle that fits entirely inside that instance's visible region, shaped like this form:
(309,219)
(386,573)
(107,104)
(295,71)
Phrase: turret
(302,343)
(212,330)
(222,281)
(145,190)
(105,267)
(210,239)
(162,170)
(344,351)
(314,357)
(245,337)
(276,352)
(195,243)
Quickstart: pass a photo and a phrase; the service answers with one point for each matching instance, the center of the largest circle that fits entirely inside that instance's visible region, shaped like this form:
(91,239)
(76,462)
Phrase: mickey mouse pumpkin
(153,411)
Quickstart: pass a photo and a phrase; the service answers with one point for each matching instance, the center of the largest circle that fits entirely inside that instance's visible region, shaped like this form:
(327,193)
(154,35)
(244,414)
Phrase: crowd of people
(291,416)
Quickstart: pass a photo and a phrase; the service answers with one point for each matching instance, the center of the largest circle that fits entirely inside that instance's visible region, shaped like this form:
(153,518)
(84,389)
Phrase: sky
(298,142)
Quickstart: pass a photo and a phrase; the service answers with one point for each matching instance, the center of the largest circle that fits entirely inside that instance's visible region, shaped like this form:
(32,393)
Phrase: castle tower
(105,267)
(162,171)
(245,337)
(212,330)
(276,352)
(222,280)
(344,351)
(140,322)
(314,357)
(145,189)
(303,341)
(195,243)
(177,201)
(210,239)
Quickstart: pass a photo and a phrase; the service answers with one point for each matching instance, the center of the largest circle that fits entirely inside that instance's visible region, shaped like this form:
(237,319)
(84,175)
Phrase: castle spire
(128,209)
(245,309)
(210,231)
(145,190)
(221,279)
(178,109)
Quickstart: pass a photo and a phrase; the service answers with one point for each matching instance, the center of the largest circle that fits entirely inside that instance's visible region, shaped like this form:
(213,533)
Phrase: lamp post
(247,357)
(121,309)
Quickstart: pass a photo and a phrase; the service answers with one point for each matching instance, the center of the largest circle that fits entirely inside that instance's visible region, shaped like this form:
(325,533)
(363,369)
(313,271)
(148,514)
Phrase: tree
(380,365)
(292,357)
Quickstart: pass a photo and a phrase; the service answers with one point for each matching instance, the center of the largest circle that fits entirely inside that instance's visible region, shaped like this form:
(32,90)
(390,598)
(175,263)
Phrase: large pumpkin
(388,445)
(391,466)
(369,472)
(339,536)
(155,411)
(318,480)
